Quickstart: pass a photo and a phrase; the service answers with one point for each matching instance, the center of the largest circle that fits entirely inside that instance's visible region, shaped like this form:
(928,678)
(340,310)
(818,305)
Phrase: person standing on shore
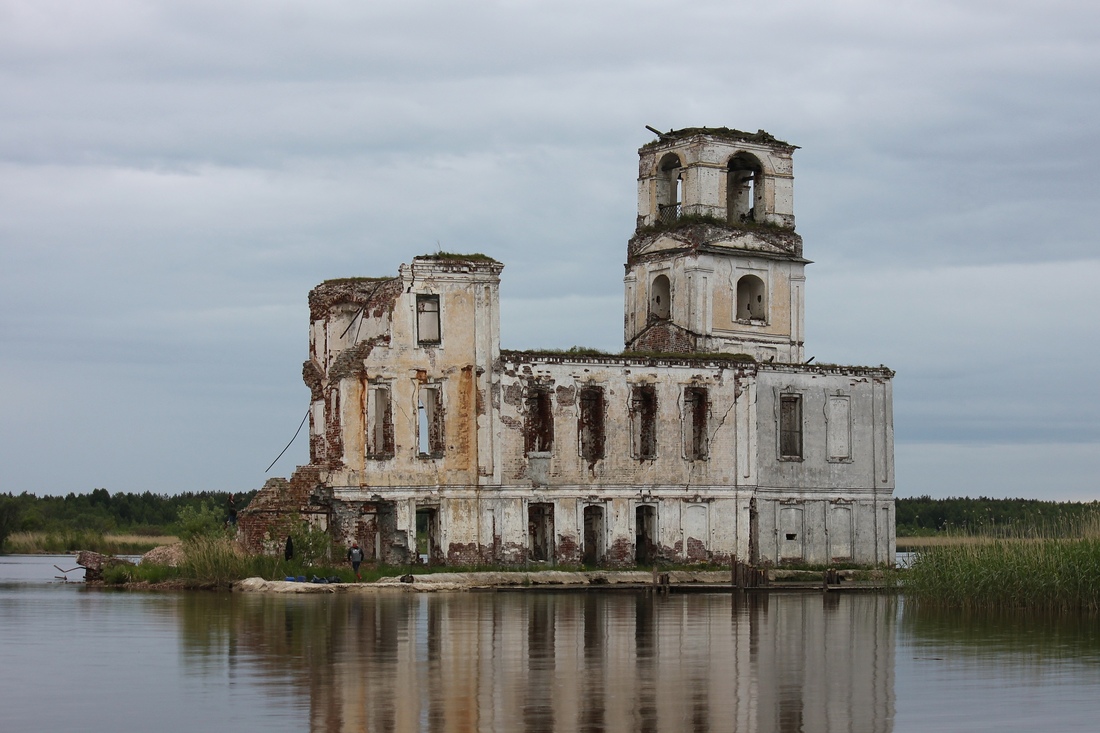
(355,556)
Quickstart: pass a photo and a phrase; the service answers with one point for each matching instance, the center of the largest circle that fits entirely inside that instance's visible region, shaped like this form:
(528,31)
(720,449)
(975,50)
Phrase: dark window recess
(430,421)
(695,423)
(380,431)
(643,418)
(591,424)
(427,319)
(792,535)
(538,426)
(790,426)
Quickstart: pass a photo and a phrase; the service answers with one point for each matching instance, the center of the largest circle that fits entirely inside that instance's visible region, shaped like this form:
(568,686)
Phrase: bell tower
(715,265)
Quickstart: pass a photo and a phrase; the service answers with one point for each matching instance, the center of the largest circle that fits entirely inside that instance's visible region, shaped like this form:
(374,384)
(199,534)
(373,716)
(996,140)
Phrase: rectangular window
(643,421)
(427,319)
(430,421)
(379,422)
(695,423)
(790,426)
(538,429)
(590,424)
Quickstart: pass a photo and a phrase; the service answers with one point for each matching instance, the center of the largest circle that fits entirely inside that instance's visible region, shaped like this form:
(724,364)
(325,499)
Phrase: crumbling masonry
(708,438)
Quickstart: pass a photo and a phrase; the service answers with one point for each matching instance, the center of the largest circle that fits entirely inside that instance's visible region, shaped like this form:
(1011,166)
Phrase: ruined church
(710,437)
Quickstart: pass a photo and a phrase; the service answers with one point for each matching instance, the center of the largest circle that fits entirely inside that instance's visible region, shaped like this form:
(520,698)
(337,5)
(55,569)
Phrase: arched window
(660,298)
(752,301)
(744,188)
(669,188)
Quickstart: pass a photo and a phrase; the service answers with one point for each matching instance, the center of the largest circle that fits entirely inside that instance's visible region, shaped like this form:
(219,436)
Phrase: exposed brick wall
(280,503)
(665,337)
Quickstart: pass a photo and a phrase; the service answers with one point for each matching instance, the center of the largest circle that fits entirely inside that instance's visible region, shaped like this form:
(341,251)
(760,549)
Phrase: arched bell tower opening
(716,222)
(752,301)
(670,188)
(660,299)
(744,188)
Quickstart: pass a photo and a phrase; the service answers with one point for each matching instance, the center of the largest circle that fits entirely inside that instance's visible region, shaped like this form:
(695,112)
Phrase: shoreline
(709,580)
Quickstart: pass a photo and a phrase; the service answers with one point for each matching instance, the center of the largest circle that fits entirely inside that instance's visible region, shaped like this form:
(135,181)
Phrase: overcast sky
(176,176)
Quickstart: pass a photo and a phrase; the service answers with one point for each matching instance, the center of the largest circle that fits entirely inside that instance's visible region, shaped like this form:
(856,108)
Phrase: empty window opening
(643,421)
(380,422)
(591,424)
(744,188)
(645,538)
(540,532)
(593,535)
(430,421)
(790,426)
(751,303)
(427,319)
(539,421)
(428,549)
(660,298)
(669,188)
(695,423)
(792,535)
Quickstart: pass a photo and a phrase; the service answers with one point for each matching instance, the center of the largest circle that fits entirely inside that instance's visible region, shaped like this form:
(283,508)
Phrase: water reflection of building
(575,662)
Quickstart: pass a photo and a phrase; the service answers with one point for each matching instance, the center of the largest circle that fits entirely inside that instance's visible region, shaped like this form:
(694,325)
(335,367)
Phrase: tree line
(159,514)
(923,515)
(103,512)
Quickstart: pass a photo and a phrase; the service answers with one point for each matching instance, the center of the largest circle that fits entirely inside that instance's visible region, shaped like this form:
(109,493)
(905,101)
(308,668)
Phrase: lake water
(80,659)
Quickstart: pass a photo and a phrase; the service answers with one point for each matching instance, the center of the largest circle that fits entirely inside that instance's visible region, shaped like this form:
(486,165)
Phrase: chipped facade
(708,438)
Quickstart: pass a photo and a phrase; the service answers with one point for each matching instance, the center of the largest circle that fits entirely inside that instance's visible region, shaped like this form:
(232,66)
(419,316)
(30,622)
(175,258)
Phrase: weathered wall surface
(704,315)
(707,439)
(835,500)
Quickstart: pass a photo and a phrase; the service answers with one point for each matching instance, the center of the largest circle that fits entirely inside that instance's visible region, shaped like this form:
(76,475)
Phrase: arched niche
(752,300)
(669,187)
(660,298)
(744,188)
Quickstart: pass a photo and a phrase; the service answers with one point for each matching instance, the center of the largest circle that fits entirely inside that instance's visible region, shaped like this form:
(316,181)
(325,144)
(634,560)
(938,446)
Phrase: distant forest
(103,512)
(157,514)
(924,515)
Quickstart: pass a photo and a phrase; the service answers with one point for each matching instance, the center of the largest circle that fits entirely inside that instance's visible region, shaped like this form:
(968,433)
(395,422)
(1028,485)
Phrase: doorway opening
(428,550)
(593,535)
(540,532)
(645,540)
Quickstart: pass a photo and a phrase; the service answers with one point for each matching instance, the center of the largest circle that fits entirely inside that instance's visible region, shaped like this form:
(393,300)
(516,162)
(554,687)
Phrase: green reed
(1056,570)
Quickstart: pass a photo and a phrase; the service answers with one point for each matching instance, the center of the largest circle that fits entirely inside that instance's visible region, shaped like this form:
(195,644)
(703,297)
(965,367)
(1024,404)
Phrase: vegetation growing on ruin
(586,351)
(356,280)
(700,356)
(729,133)
(458,257)
(686,221)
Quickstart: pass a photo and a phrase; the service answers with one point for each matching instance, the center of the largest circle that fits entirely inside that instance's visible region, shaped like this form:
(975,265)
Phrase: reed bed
(916,544)
(34,543)
(1057,573)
